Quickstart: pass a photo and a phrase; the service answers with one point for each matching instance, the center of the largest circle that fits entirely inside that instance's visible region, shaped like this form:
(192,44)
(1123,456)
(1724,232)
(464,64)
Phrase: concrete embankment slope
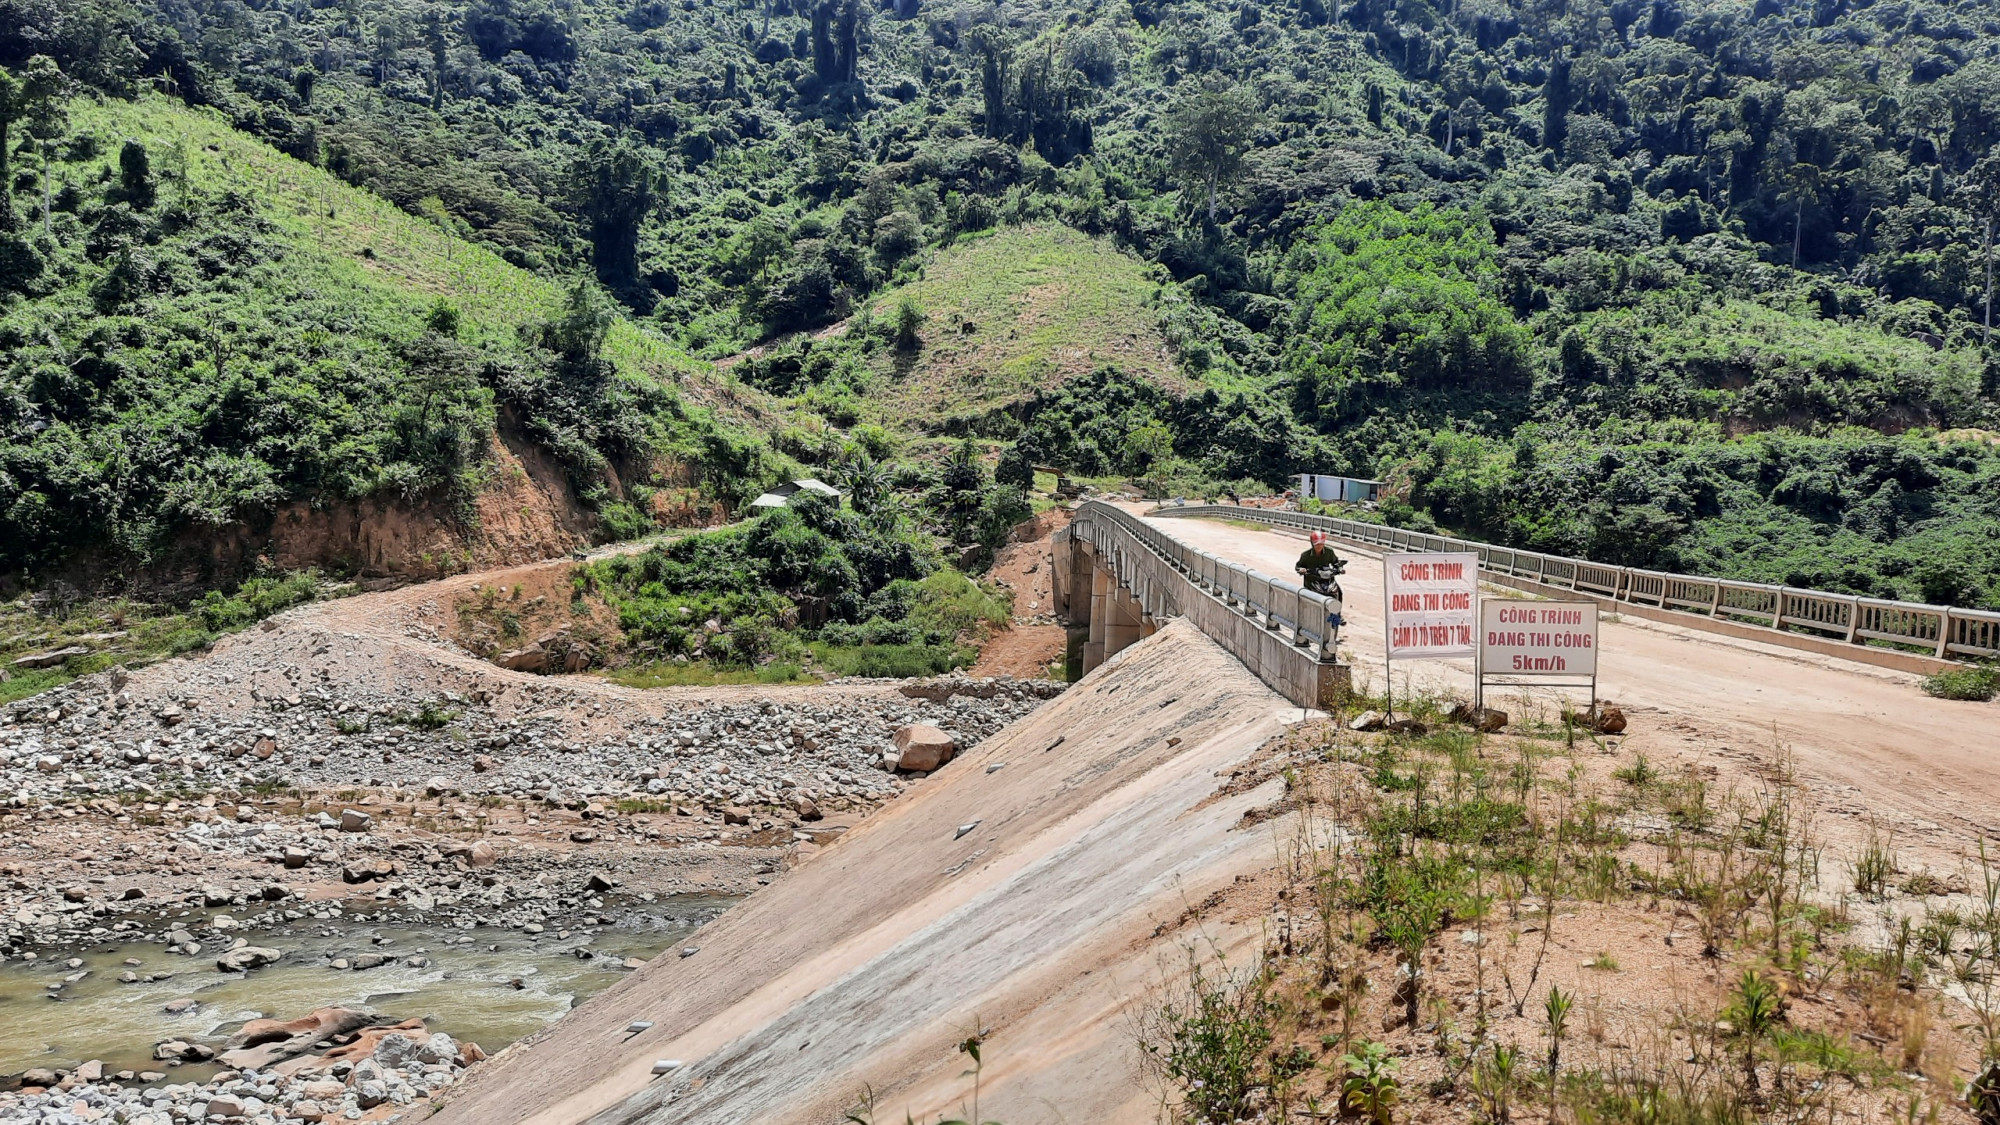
(868,964)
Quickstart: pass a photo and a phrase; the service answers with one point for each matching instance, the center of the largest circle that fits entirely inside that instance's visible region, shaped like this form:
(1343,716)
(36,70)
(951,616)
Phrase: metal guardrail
(1941,631)
(1280,606)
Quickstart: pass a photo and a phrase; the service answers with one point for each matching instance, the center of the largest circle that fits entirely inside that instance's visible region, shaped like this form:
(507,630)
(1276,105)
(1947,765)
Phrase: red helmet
(1319,538)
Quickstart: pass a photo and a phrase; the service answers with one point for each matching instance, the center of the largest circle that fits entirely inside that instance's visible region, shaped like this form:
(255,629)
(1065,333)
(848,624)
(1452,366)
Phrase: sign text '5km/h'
(1527,638)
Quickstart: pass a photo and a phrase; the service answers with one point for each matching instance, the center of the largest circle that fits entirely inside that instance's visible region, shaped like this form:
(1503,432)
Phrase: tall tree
(836,40)
(1555,102)
(616,189)
(22,99)
(436,40)
(1207,135)
(1980,189)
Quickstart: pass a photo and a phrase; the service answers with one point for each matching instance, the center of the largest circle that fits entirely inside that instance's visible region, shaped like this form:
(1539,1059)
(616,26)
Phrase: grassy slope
(324,226)
(414,262)
(1044,304)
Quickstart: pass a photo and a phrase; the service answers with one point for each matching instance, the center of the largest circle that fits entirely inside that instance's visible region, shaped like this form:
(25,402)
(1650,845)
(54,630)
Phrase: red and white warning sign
(1433,604)
(1524,638)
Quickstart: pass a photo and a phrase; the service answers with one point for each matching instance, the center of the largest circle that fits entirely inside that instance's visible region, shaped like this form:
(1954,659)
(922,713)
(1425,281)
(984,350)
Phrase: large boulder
(170,1049)
(533,658)
(921,748)
(324,1089)
(396,1050)
(247,958)
(439,1050)
(477,854)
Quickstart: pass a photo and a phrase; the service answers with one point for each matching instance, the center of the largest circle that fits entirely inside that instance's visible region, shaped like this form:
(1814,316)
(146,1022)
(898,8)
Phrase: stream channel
(468,988)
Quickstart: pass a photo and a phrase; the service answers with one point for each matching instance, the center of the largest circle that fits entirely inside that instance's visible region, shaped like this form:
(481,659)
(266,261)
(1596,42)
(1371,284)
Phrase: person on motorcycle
(1320,567)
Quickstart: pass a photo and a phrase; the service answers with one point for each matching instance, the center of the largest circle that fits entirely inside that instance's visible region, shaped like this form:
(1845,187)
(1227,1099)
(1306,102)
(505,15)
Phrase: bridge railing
(1279,605)
(1279,629)
(1944,632)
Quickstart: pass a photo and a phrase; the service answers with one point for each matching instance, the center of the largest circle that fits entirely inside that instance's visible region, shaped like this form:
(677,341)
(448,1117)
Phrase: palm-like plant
(1753,1015)
(867,483)
(1557,1008)
(1370,1084)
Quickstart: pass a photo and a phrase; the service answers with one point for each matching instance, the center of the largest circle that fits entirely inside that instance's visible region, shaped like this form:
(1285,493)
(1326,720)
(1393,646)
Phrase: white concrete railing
(1943,632)
(1277,628)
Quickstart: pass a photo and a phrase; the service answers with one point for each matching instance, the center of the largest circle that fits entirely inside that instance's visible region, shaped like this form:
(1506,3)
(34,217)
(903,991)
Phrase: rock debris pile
(92,738)
(359,1068)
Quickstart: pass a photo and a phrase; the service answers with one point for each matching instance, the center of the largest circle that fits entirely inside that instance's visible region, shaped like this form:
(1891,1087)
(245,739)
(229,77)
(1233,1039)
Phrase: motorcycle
(1325,581)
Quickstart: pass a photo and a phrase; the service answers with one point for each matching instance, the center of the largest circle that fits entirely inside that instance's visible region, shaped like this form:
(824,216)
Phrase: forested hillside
(204,333)
(1682,283)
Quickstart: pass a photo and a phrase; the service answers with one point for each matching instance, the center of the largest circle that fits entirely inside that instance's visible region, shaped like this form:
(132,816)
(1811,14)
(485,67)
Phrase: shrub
(896,661)
(1370,1085)
(621,520)
(868,590)
(1209,1039)
(909,318)
(255,600)
(1978,684)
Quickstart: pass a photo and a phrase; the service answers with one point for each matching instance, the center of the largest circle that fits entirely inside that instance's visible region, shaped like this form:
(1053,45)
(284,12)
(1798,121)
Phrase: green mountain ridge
(1686,283)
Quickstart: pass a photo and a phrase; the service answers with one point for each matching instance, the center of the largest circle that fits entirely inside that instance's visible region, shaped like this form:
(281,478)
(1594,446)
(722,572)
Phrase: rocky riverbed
(250,814)
(331,1064)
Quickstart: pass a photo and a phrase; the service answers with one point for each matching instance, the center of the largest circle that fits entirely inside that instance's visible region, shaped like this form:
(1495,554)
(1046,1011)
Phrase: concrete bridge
(1118,576)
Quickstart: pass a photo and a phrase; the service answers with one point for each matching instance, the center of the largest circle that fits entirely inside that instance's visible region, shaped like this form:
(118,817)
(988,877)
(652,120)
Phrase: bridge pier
(1104,613)
(1126,621)
(1097,617)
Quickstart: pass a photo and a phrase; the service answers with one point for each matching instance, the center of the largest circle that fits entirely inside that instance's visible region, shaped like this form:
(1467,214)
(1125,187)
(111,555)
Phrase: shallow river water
(467,989)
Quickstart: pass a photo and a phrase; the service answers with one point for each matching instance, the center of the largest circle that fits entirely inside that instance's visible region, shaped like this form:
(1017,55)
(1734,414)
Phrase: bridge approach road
(1865,741)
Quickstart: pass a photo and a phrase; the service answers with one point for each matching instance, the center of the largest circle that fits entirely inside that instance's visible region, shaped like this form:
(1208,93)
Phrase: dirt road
(1873,748)
(402,639)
